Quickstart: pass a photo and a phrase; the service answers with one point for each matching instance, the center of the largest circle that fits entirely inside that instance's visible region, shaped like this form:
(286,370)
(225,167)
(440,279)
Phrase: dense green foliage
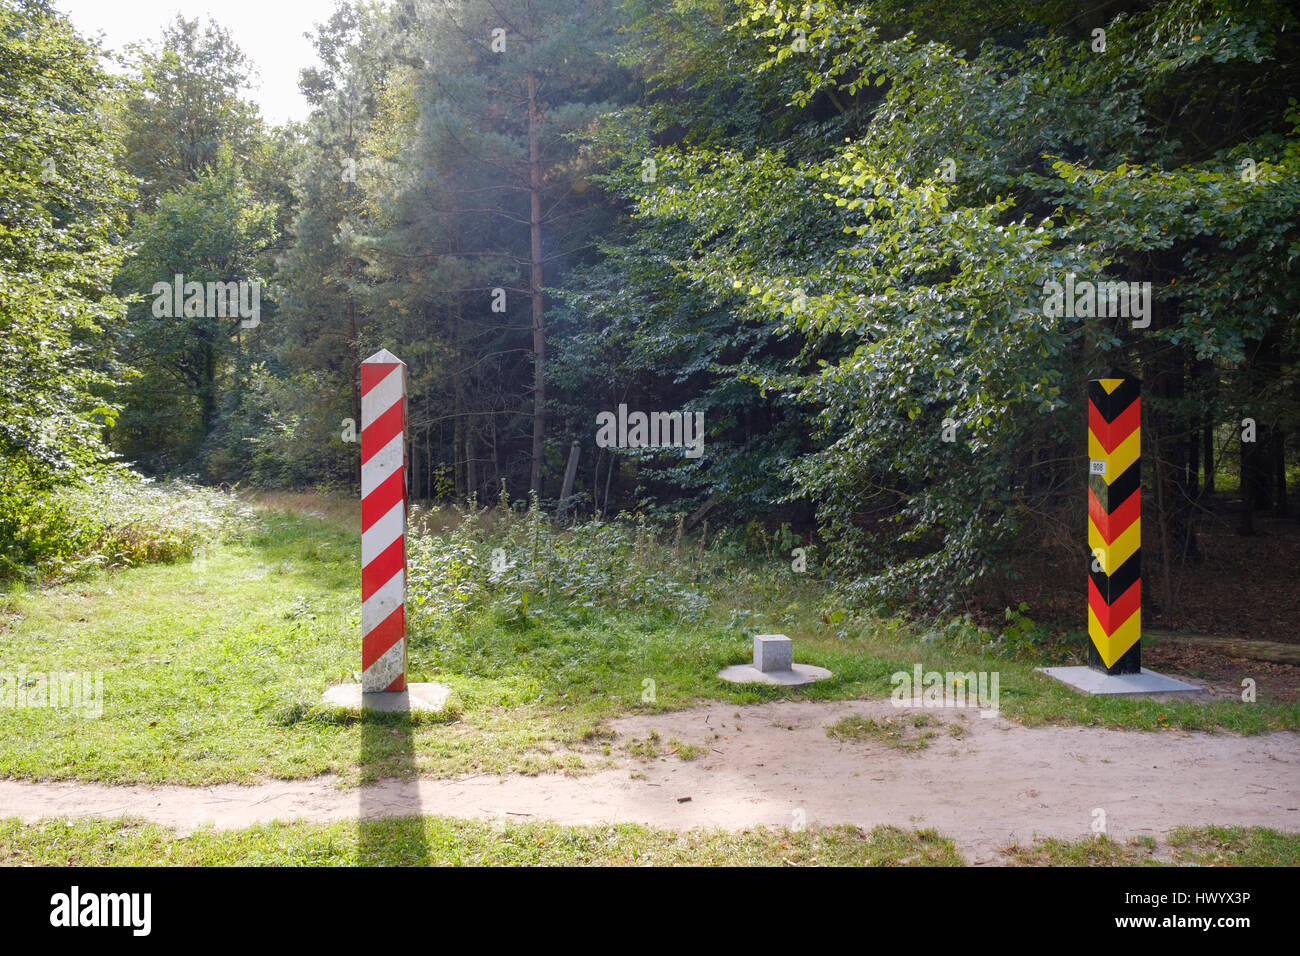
(62,204)
(829,228)
(908,261)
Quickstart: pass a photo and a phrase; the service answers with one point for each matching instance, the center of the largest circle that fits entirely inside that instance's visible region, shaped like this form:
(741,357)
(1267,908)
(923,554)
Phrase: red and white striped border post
(383,523)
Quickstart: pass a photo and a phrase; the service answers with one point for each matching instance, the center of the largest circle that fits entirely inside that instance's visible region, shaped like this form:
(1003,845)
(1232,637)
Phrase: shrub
(116,519)
(521,568)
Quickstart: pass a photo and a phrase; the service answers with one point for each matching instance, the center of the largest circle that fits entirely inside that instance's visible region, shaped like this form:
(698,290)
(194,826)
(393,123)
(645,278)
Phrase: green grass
(1186,846)
(905,732)
(653,747)
(1235,846)
(441,841)
(214,668)
(1096,851)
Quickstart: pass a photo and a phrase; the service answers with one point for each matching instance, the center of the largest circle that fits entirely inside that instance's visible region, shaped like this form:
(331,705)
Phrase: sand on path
(996,784)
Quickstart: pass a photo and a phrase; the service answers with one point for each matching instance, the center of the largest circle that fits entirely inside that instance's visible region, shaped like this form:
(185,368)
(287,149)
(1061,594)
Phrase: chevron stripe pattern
(383,523)
(1115,525)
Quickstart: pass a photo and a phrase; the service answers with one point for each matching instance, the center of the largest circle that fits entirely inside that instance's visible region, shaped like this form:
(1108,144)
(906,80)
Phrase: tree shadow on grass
(391,827)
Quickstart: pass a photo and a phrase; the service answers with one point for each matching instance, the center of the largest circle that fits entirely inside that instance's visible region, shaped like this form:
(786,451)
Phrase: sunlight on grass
(448,842)
(443,841)
(214,668)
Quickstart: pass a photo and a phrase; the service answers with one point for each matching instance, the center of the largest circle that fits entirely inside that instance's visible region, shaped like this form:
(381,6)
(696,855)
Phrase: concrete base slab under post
(422,697)
(773,664)
(1090,681)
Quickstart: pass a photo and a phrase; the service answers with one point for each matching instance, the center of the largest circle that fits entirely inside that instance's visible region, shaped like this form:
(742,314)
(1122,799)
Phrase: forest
(829,279)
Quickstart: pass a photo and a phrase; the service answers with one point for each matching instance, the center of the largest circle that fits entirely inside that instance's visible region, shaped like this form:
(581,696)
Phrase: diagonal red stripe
(382,499)
(382,637)
(381,570)
(1112,434)
(1112,616)
(382,430)
(1110,525)
(372,373)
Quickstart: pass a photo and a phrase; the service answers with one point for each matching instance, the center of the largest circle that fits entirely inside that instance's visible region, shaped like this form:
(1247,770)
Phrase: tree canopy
(841,232)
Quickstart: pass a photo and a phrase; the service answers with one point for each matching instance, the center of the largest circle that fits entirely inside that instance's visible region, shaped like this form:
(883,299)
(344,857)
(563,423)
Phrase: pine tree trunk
(208,396)
(471,460)
(1207,453)
(535,255)
(496,457)
(1173,432)
(1248,483)
(459,465)
(1205,374)
(1279,470)
(415,467)
(354,367)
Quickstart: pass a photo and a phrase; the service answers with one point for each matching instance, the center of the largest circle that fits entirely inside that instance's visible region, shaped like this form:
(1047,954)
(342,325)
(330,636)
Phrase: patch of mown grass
(652,747)
(445,841)
(214,668)
(1033,700)
(1100,850)
(904,732)
(1186,846)
(1234,846)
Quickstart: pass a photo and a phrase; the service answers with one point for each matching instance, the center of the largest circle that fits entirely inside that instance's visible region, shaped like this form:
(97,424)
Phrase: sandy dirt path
(996,784)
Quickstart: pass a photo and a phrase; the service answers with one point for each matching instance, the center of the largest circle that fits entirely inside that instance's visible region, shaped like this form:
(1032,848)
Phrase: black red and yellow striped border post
(1115,525)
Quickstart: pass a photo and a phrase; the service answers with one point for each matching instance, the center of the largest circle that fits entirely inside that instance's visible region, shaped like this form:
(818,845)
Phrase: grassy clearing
(214,667)
(343,513)
(206,663)
(441,841)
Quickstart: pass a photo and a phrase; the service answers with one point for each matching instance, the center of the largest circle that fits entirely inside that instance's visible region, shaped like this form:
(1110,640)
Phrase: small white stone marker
(773,652)
(773,664)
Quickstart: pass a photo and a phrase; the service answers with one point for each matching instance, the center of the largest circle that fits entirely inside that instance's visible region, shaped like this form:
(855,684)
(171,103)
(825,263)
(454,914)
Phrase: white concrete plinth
(749,674)
(773,652)
(1091,681)
(428,696)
